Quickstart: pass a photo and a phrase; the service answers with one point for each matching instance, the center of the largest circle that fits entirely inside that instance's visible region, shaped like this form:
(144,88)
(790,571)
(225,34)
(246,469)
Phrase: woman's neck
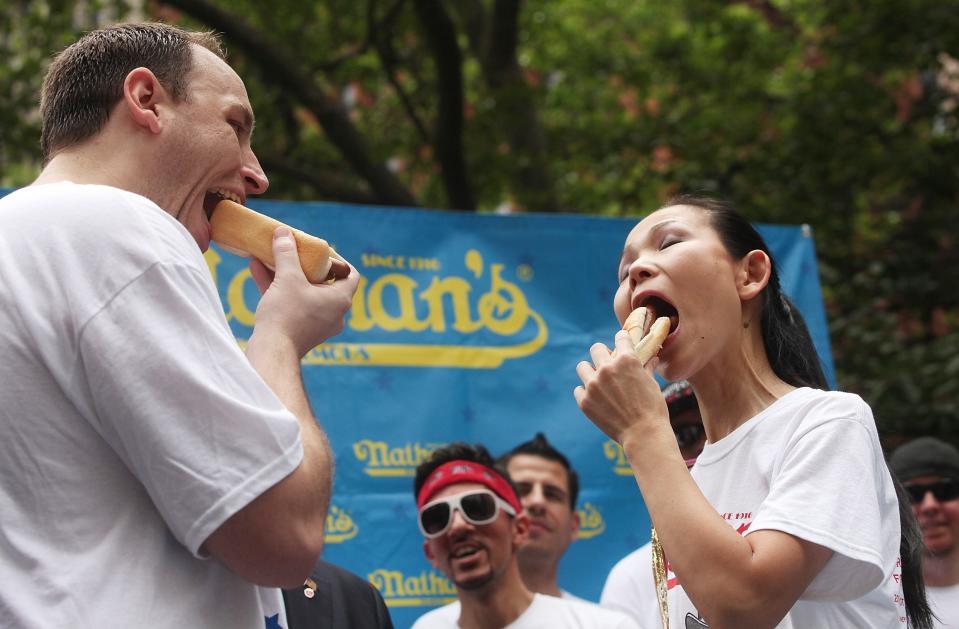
(736,387)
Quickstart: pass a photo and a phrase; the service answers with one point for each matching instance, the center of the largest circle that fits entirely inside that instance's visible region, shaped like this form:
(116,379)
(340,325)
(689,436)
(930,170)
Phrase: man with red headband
(473,522)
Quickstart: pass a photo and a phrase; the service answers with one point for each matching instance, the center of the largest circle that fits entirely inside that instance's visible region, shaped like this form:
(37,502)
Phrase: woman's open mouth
(659,307)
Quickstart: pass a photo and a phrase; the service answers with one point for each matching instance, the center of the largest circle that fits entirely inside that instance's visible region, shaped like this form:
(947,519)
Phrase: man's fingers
(285,258)
(261,275)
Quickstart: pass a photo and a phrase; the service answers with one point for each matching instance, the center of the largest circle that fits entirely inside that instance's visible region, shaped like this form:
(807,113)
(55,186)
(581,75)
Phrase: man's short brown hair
(85,81)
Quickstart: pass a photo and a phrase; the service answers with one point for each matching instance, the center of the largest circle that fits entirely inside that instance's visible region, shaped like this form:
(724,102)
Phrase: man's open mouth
(214,196)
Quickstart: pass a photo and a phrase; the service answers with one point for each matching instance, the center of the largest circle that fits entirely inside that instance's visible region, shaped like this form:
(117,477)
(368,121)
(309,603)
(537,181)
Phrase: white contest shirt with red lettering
(811,465)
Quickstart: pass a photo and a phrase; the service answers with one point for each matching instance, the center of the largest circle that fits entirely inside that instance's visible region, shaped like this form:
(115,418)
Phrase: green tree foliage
(839,114)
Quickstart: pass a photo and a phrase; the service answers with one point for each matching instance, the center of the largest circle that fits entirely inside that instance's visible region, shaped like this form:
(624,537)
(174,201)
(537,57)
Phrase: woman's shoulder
(816,406)
(810,397)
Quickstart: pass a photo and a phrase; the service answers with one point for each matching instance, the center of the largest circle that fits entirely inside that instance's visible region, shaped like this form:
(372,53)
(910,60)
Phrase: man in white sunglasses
(473,524)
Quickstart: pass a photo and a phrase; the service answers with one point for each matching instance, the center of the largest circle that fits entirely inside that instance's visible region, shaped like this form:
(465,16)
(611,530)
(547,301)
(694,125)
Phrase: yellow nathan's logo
(397,302)
(382,459)
(614,452)
(426,589)
(591,521)
(339,526)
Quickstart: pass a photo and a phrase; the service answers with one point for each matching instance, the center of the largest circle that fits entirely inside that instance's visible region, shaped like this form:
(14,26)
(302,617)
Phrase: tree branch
(472,19)
(531,179)
(328,187)
(387,56)
(448,137)
(773,15)
(281,67)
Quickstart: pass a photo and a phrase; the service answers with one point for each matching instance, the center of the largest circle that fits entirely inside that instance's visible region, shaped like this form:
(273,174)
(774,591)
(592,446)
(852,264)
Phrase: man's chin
(537,548)
(473,582)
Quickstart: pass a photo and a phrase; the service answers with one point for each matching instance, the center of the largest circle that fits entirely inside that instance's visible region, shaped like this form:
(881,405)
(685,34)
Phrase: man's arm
(276,539)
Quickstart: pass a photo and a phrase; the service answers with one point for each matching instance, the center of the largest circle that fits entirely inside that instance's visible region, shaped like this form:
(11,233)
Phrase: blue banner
(468,327)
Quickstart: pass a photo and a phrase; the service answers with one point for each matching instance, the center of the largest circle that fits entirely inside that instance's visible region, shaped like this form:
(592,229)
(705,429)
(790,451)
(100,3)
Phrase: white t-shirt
(569,596)
(545,611)
(630,587)
(945,605)
(811,465)
(131,424)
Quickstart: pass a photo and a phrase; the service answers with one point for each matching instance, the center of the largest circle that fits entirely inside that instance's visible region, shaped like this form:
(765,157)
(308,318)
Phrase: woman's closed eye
(669,241)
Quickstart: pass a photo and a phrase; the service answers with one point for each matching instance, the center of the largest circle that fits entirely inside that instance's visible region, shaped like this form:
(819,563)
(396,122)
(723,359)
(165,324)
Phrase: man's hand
(306,314)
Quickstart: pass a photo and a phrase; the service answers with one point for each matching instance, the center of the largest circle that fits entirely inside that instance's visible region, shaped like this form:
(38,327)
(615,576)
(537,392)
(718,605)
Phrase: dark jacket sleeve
(340,600)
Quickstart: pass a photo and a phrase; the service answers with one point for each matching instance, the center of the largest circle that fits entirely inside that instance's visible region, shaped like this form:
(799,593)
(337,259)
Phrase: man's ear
(574,526)
(520,529)
(428,551)
(753,275)
(142,93)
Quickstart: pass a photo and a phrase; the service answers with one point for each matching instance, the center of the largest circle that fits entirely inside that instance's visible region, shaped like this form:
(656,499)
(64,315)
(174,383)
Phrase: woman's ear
(141,94)
(755,269)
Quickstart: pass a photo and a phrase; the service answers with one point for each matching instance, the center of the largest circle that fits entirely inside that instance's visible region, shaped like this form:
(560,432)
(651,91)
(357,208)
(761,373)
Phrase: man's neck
(99,161)
(496,605)
(540,575)
(941,570)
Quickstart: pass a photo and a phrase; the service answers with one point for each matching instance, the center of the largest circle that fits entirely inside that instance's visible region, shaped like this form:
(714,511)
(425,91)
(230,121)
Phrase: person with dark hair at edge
(152,472)
(630,586)
(759,533)
(548,488)
(929,471)
(473,526)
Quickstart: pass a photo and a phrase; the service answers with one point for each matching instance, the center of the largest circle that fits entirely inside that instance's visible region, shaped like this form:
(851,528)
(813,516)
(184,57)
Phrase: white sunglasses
(478,506)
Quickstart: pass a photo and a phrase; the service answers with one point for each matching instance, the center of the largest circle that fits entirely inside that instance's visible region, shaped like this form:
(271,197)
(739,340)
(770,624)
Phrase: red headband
(463,472)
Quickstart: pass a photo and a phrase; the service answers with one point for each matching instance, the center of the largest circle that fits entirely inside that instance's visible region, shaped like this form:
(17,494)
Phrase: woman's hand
(618,394)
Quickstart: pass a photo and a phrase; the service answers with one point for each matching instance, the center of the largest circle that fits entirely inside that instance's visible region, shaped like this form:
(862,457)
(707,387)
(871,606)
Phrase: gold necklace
(659,577)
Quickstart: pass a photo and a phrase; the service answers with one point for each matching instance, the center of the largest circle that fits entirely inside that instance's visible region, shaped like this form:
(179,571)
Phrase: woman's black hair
(910,553)
(788,344)
(793,358)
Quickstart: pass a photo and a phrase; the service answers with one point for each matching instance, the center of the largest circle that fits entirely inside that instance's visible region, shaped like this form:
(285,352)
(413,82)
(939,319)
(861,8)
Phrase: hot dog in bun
(646,332)
(246,233)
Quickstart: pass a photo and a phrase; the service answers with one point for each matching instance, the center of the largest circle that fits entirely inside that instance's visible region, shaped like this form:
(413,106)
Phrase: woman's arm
(734,581)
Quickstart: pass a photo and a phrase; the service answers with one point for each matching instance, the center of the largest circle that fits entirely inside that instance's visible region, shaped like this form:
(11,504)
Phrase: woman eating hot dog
(790,517)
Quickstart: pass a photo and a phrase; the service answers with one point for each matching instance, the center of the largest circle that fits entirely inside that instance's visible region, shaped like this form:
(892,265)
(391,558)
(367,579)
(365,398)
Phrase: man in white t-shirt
(929,471)
(629,586)
(548,488)
(152,474)
(474,524)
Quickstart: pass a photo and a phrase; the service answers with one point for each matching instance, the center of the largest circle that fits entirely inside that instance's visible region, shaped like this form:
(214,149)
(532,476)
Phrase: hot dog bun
(646,334)
(246,233)
(638,323)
